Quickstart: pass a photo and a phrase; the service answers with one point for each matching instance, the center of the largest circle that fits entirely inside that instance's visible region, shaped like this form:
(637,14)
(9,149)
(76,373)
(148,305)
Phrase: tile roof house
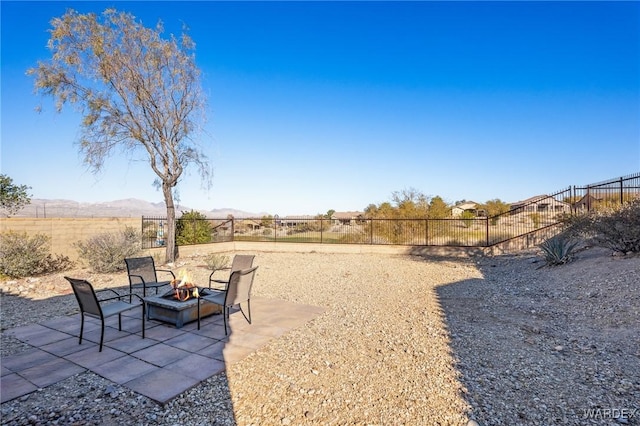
(540,204)
(346,218)
(468,206)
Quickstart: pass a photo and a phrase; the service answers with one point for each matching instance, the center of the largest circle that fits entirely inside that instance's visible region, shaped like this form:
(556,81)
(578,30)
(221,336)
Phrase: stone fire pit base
(173,311)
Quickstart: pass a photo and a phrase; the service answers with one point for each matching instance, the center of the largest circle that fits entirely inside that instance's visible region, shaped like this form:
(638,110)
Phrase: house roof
(469,205)
(347,215)
(538,198)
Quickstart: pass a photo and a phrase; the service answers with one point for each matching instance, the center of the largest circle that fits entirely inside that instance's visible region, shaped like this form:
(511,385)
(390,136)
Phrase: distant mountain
(130,207)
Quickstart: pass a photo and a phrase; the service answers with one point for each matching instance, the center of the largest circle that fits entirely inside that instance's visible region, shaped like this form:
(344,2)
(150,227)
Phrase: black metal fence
(524,217)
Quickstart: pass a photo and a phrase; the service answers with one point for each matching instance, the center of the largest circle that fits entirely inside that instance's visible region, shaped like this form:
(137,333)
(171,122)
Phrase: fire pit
(184,290)
(179,305)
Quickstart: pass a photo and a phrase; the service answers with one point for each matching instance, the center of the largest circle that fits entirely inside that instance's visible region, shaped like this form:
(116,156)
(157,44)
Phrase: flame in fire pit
(183,287)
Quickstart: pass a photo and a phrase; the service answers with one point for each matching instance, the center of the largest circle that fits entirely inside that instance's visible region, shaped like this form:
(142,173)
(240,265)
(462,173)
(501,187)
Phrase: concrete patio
(146,366)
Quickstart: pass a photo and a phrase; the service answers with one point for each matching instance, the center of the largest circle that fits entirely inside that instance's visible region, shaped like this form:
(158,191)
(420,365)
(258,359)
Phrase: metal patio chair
(238,291)
(240,262)
(92,306)
(142,273)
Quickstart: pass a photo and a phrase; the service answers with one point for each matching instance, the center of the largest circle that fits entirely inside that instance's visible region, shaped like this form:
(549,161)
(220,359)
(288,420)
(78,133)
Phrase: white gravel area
(404,340)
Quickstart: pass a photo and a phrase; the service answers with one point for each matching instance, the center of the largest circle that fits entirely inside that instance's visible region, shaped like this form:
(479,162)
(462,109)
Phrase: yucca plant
(558,250)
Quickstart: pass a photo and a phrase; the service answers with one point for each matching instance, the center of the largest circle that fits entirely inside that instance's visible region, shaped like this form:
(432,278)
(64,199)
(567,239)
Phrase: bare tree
(135,91)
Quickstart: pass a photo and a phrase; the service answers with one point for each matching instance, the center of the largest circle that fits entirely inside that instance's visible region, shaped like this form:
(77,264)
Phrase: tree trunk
(171,252)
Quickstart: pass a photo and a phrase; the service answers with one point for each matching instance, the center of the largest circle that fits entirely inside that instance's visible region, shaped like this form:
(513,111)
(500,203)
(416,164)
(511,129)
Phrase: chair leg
(198,313)
(102,336)
(248,310)
(81,327)
(225,314)
(143,315)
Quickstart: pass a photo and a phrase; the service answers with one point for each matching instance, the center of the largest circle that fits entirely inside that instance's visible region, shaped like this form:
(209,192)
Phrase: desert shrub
(618,228)
(21,255)
(106,252)
(467,218)
(215,261)
(558,249)
(578,227)
(536,218)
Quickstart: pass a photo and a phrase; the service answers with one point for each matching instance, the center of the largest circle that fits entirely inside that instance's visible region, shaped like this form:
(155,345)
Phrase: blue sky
(334,105)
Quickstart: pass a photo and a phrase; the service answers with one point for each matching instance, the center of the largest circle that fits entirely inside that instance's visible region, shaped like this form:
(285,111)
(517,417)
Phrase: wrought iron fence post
(621,192)
(371,232)
(426,232)
(486,226)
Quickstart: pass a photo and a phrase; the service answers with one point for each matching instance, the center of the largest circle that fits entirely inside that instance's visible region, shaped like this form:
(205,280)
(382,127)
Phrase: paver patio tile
(26,359)
(162,332)
(51,372)
(124,369)
(160,354)
(131,343)
(70,325)
(13,386)
(201,367)
(39,335)
(250,340)
(234,353)
(64,347)
(214,351)
(162,385)
(91,357)
(190,342)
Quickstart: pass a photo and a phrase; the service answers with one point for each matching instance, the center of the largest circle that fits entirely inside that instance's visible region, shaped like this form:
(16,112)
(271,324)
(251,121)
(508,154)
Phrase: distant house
(346,218)
(293,221)
(588,202)
(467,206)
(540,204)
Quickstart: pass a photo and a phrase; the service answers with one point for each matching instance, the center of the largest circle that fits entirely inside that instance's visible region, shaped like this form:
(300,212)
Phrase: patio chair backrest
(242,261)
(239,289)
(86,296)
(141,267)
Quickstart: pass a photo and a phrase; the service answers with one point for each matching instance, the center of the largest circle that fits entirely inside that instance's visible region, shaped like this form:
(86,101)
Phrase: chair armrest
(137,276)
(107,289)
(133,294)
(166,270)
(119,296)
(213,280)
(211,275)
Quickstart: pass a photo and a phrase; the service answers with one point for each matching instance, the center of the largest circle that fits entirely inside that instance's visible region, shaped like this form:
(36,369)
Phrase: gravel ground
(405,340)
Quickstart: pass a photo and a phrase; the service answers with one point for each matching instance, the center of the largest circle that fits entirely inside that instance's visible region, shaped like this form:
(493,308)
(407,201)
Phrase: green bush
(106,252)
(193,228)
(22,256)
(558,249)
